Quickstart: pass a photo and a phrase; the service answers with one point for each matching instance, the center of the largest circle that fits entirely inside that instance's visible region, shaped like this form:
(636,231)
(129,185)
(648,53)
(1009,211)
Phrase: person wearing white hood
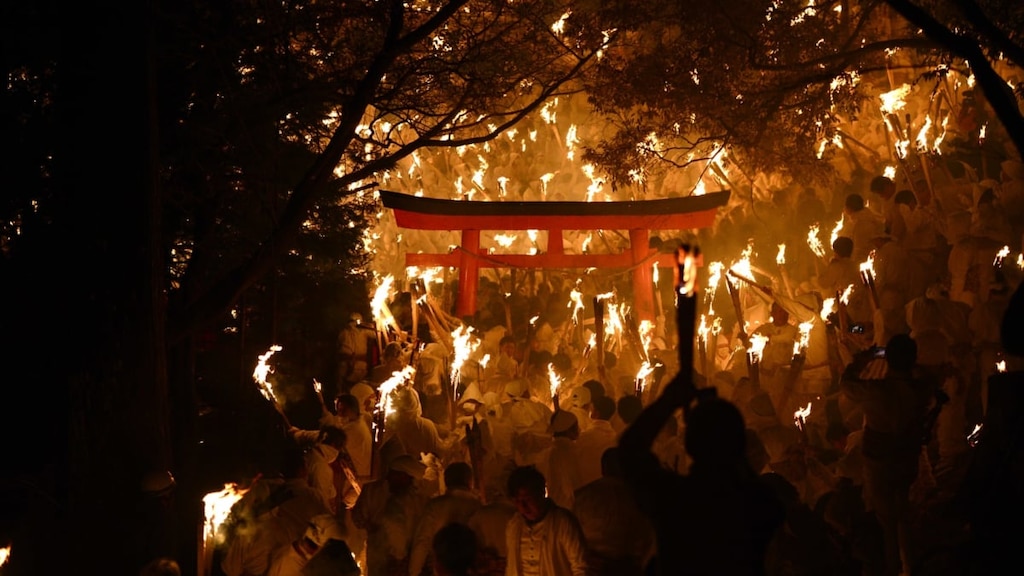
(560,463)
(417,434)
(389,509)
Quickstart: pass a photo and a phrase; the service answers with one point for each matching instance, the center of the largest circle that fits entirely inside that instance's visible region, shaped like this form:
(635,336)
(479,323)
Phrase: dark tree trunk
(106,257)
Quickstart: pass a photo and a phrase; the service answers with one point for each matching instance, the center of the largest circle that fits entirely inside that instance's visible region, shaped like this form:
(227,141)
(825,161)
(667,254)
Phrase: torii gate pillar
(643,278)
(469,278)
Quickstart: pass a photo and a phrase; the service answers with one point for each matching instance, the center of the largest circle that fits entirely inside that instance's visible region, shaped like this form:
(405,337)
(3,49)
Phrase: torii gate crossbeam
(639,217)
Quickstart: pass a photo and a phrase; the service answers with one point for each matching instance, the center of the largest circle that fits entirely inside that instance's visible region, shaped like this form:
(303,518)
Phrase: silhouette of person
(994,487)
(720,517)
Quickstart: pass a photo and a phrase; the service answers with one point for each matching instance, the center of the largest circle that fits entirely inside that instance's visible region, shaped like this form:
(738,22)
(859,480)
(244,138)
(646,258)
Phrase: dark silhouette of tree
(173,156)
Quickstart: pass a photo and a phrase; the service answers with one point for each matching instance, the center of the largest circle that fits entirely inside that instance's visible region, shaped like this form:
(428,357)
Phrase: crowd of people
(888,443)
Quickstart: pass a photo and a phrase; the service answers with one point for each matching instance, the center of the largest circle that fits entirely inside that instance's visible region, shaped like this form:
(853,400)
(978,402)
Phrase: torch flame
(641,375)
(465,345)
(702,329)
(828,307)
(715,270)
(553,379)
(5,554)
(814,242)
(780,258)
(869,264)
(800,416)
(1001,366)
(836,230)
(805,337)
(576,303)
(387,387)
(757,343)
(218,506)
(259,374)
(973,437)
(845,296)
(1000,256)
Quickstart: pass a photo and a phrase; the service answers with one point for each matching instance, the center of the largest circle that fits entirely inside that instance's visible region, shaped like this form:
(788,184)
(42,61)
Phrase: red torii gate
(639,217)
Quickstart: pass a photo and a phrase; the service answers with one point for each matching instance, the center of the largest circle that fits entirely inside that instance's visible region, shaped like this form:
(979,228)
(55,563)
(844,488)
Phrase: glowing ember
(553,380)
(218,506)
(828,307)
(814,242)
(800,416)
(262,371)
(1001,366)
(780,258)
(757,343)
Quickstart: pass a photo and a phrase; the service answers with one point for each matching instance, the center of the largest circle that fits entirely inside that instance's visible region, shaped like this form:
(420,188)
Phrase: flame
(378,305)
(646,330)
(800,416)
(975,435)
(654,273)
(894,100)
(641,375)
(465,344)
(1000,256)
(553,379)
(922,135)
(1001,366)
(387,387)
(845,296)
(835,231)
(586,242)
(805,337)
(742,266)
(533,321)
(702,330)
(757,343)
(483,361)
(317,386)
(218,506)
(715,270)
(828,307)
(1020,260)
(5,554)
(814,242)
(780,258)
(505,240)
(259,374)
(868,266)
(576,298)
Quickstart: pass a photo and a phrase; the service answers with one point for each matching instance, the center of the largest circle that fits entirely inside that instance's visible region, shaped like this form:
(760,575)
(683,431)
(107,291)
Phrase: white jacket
(557,537)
